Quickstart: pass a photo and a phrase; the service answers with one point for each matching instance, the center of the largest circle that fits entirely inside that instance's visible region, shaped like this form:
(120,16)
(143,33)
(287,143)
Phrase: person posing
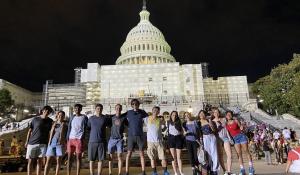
(135,133)
(240,142)
(191,130)
(56,142)
(175,141)
(223,141)
(75,136)
(155,140)
(116,142)
(266,150)
(96,147)
(37,139)
(209,142)
(293,161)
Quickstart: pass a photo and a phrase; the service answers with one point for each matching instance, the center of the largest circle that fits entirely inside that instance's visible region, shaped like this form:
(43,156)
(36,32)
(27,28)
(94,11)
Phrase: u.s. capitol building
(146,70)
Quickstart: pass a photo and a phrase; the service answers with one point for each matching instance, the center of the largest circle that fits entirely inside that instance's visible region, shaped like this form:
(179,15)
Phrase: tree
(281,89)
(6,101)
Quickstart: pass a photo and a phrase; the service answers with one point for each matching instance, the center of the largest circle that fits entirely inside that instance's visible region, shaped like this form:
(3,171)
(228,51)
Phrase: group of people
(212,134)
(283,143)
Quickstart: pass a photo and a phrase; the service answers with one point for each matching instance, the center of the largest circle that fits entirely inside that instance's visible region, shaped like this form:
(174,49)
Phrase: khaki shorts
(155,150)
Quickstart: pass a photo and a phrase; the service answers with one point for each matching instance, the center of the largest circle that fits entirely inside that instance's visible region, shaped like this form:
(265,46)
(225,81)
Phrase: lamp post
(190,109)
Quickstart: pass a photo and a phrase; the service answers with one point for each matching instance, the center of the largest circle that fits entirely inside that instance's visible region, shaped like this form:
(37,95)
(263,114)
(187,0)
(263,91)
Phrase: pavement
(260,166)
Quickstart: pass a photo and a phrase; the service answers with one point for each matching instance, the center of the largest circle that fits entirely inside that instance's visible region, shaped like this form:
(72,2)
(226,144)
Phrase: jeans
(268,157)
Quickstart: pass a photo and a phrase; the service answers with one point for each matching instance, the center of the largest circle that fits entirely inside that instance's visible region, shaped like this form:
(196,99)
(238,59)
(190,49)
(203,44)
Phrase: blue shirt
(192,131)
(97,125)
(135,122)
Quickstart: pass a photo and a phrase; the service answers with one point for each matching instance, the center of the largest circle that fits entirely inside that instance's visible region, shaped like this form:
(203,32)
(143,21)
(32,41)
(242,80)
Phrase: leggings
(192,152)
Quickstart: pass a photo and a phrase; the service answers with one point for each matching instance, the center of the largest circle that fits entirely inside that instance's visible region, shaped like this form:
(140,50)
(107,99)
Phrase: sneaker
(166,173)
(175,174)
(154,173)
(251,171)
(214,173)
(242,171)
(229,173)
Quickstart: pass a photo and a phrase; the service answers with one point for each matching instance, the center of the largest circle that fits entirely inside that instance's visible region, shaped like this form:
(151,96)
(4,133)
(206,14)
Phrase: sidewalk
(260,166)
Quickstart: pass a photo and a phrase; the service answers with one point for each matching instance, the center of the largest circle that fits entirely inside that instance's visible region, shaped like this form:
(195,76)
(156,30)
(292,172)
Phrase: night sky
(47,39)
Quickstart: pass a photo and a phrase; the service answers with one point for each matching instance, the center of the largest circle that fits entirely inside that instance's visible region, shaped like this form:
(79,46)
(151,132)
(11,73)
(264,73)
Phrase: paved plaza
(260,166)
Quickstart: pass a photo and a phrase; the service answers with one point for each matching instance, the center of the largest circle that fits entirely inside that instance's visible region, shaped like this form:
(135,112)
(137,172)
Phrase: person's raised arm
(108,121)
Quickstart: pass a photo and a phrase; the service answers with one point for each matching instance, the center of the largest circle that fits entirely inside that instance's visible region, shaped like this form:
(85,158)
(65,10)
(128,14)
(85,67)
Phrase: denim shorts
(240,139)
(115,145)
(225,139)
(54,150)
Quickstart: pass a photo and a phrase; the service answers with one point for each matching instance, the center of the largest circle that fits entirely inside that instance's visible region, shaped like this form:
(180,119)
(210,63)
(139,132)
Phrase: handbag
(201,155)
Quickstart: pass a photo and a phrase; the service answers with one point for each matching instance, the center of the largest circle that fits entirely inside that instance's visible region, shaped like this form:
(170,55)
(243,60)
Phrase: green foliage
(5,101)
(281,89)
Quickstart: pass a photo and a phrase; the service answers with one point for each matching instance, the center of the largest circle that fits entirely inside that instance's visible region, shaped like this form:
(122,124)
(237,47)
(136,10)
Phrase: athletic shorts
(175,141)
(135,141)
(156,149)
(55,151)
(115,145)
(240,139)
(36,151)
(75,145)
(96,151)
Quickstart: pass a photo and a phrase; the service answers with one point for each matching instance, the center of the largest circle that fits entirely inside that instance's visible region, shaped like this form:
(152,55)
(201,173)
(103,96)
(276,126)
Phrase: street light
(190,109)
(25,110)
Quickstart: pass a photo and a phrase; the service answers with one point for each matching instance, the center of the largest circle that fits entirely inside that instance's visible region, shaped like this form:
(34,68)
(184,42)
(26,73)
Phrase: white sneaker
(175,174)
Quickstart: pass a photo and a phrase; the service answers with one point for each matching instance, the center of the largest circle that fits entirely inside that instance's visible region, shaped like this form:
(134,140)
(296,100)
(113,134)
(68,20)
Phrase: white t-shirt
(276,135)
(76,130)
(154,131)
(286,133)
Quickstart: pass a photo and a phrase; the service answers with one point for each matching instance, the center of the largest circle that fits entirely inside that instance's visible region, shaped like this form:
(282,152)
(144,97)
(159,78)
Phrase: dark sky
(47,39)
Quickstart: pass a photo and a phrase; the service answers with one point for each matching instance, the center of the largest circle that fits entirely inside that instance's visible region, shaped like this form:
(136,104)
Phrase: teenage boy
(96,147)
(155,140)
(116,142)
(75,137)
(37,139)
(135,133)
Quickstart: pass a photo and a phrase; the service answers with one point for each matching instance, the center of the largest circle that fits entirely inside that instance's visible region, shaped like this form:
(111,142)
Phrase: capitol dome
(145,44)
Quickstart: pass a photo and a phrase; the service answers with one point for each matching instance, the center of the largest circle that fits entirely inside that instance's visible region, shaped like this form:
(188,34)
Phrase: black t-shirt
(40,130)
